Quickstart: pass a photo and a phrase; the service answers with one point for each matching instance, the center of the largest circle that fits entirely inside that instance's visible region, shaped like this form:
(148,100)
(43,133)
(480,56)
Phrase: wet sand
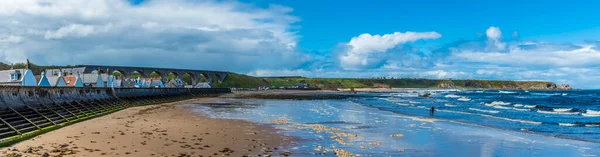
(156,130)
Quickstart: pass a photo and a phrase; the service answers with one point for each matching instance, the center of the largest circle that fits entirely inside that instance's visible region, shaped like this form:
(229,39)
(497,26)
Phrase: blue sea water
(465,123)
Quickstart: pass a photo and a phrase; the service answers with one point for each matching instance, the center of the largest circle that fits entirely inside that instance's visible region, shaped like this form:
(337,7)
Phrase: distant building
(300,85)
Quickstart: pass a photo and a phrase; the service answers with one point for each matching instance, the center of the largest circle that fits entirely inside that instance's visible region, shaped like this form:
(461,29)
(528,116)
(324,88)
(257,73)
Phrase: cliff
(244,81)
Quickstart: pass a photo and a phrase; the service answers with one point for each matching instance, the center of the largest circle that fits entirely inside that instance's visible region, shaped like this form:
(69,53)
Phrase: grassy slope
(244,81)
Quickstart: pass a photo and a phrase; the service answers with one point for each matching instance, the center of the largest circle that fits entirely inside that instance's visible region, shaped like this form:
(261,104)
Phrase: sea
(401,123)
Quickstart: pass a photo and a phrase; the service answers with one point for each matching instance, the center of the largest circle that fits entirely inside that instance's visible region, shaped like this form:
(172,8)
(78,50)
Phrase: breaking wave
(487,111)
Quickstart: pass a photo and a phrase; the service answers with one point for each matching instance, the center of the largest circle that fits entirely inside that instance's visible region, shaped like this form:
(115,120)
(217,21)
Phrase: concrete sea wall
(20,96)
(29,111)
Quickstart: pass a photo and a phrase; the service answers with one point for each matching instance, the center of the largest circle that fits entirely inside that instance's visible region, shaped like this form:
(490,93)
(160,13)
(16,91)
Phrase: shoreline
(169,129)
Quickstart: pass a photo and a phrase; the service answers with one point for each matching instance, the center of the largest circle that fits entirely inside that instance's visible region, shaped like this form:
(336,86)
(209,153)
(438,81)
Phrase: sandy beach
(156,130)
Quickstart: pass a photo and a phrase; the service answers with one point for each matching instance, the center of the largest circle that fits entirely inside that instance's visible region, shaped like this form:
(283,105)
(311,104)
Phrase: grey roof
(5,75)
(52,79)
(92,78)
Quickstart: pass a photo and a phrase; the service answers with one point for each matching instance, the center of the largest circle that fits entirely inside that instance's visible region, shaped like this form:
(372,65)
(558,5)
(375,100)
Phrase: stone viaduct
(163,72)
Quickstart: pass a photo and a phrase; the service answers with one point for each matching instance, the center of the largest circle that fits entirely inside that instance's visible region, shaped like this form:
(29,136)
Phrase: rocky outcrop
(564,87)
(446,85)
(508,85)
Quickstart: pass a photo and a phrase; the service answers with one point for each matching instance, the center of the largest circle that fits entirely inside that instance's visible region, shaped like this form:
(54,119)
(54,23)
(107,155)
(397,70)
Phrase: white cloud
(76,30)
(494,36)
(366,50)
(11,39)
(493,33)
(209,34)
(542,56)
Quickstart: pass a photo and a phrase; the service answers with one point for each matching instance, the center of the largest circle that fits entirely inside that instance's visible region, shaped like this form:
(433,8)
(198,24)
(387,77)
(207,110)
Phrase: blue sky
(500,40)
(326,23)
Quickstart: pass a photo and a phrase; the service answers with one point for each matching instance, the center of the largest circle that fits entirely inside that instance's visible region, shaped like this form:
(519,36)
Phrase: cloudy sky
(470,39)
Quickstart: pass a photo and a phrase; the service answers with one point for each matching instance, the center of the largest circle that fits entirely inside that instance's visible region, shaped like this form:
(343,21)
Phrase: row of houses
(74,77)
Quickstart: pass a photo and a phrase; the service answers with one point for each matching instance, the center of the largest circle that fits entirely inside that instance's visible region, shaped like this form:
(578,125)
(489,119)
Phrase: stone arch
(141,72)
(123,74)
(194,79)
(207,77)
(218,78)
(159,73)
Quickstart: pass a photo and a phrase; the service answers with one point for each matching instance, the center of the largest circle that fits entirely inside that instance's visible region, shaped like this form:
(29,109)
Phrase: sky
(469,39)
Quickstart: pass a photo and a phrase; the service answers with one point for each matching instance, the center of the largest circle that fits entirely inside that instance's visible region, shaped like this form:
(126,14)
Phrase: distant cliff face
(516,85)
(244,81)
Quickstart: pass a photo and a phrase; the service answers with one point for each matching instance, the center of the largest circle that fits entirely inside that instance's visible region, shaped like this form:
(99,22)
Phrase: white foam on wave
(545,94)
(592,125)
(522,109)
(449,105)
(592,112)
(502,107)
(406,95)
(487,111)
(518,105)
(590,115)
(564,94)
(490,116)
(402,104)
(552,112)
(479,91)
(500,103)
(452,96)
(506,92)
(530,106)
(567,124)
(562,109)
(464,99)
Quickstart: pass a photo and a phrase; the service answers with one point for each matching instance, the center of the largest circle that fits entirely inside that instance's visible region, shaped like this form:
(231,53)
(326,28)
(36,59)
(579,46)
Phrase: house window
(15,76)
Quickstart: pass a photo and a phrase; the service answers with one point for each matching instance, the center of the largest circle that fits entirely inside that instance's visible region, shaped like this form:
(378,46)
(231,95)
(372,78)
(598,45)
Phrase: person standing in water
(431,111)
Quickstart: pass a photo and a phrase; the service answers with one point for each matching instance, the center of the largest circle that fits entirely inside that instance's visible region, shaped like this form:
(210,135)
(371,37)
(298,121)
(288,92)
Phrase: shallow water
(454,130)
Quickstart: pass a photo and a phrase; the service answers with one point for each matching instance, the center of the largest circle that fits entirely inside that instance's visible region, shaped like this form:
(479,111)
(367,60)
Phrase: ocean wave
(464,99)
(530,106)
(406,95)
(449,105)
(522,109)
(518,105)
(487,111)
(590,115)
(545,94)
(592,112)
(592,125)
(452,96)
(490,116)
(567,124)
(562,109)
(402,104)
(506,92)
(502,107)
(552,112)
(479,91)
(500,103)
(515,120)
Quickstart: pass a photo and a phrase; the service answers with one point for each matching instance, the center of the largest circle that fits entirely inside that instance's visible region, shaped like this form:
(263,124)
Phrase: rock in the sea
(564,87)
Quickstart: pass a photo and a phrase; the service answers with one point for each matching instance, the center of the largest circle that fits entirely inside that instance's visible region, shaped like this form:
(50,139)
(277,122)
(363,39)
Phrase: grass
(245,81)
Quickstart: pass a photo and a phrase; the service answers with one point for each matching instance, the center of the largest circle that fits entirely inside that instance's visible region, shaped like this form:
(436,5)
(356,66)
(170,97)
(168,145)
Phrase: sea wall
(29,111)
(20,96)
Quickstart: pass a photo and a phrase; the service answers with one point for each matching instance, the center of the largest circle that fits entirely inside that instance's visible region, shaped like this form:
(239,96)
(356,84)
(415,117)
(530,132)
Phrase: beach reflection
(328,126)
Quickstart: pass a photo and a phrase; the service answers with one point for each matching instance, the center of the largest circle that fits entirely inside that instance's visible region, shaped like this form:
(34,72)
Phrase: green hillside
(245,81)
